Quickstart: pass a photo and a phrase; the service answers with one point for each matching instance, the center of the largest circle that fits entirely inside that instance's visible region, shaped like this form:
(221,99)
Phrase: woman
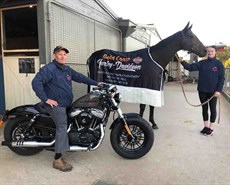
(210,82)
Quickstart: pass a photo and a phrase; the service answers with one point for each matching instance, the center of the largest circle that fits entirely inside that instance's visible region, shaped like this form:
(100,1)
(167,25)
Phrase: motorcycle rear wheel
(12,131)
(132,148)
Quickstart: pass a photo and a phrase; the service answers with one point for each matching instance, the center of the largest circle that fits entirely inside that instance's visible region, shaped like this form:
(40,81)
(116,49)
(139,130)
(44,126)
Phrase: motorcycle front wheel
(136,146)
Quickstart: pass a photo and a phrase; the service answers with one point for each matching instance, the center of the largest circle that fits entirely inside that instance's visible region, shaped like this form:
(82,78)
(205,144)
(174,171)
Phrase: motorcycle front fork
(120,113)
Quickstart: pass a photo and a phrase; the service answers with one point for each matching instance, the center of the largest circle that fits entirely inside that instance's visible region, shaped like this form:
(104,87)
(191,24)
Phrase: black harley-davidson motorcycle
(29,129)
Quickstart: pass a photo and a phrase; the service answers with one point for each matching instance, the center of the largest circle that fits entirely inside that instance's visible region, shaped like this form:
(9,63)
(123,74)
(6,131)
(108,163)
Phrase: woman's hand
(180,59)
(217,94)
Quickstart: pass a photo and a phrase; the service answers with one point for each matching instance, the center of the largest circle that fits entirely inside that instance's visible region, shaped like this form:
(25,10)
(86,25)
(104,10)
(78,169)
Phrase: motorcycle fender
(127,116)
(24,110)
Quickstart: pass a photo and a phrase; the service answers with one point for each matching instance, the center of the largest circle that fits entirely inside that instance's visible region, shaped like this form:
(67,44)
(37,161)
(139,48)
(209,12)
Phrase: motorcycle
(29,128)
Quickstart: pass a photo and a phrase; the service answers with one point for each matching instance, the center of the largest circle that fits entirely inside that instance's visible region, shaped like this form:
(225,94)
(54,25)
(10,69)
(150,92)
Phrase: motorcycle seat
(40,107)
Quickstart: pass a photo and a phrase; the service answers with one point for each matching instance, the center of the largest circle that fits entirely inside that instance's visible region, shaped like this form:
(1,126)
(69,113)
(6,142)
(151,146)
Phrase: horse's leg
(142,109)
(151,117)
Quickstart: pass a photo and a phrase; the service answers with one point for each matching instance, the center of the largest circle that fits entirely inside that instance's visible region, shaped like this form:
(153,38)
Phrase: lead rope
(181,82)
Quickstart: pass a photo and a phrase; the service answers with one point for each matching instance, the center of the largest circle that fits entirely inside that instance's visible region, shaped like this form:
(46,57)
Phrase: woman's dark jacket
(211,74)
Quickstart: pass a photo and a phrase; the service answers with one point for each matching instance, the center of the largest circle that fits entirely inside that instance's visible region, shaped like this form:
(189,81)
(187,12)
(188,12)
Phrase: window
(20,28)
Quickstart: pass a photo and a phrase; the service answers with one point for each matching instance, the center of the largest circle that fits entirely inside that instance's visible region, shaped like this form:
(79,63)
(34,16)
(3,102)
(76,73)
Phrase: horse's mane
(164,42)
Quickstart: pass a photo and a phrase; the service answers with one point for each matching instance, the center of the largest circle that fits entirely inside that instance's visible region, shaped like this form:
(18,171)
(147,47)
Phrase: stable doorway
(20,53)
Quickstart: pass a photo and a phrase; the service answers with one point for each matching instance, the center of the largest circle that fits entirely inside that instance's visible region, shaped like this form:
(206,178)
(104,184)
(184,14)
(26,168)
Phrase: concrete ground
(180,155)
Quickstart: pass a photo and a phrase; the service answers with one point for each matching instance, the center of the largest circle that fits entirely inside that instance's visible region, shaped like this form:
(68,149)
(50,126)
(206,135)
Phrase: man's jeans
(59,117)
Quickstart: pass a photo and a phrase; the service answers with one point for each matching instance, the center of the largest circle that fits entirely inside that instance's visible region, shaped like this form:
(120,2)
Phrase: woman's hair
(214,47)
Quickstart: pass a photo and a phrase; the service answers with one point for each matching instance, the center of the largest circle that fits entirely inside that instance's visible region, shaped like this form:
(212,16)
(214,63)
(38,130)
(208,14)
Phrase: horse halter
(192,50)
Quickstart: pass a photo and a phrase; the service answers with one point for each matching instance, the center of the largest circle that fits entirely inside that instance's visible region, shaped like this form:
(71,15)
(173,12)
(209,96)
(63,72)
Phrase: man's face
(60,57)
(211,52)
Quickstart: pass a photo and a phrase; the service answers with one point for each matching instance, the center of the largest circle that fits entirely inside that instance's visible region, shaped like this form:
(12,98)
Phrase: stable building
(30,29)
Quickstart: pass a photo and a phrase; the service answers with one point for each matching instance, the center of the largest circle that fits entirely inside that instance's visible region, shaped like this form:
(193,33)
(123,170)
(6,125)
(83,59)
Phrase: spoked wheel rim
(129,143)
(18,134)
(14,133)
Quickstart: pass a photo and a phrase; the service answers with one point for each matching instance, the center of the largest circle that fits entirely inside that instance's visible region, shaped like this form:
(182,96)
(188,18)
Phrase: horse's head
(191,43)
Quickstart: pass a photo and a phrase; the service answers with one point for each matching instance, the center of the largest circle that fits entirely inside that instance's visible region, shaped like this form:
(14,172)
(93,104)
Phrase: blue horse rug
(138,77)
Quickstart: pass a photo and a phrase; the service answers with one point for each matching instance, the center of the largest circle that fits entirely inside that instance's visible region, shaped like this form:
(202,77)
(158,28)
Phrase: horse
(164,51)
(141,71)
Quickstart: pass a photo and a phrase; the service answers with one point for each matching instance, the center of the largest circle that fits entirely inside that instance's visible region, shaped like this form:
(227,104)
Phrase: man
(53,85)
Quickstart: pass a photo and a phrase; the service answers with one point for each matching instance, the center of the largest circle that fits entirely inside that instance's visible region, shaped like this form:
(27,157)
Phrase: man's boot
(62,164)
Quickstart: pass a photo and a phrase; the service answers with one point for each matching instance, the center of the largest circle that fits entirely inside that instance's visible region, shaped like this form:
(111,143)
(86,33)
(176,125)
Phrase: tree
(223,55)
(227,63)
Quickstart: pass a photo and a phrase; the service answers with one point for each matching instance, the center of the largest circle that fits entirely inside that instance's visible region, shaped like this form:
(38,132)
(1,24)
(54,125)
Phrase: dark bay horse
(164,51)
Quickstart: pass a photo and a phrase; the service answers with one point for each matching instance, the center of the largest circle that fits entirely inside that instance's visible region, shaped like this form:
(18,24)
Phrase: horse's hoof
(155,126)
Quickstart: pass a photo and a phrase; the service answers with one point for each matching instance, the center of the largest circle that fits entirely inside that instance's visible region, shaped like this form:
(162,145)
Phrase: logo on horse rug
(138,77)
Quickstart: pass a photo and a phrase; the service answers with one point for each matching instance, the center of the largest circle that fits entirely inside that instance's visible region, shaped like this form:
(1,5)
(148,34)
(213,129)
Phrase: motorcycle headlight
(117,97)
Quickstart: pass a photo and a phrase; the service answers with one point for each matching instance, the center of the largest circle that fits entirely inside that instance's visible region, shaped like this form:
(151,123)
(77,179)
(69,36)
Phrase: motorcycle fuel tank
(90,100)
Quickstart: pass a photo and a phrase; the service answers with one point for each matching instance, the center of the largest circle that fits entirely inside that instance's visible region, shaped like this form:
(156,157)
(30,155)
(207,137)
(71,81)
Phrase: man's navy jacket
(54,81)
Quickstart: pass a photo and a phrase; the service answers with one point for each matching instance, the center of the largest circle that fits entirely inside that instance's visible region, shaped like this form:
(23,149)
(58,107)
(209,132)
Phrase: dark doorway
(20,28)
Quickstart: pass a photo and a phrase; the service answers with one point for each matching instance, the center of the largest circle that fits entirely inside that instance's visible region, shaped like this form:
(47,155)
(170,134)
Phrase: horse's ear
(190,27)
(186,27)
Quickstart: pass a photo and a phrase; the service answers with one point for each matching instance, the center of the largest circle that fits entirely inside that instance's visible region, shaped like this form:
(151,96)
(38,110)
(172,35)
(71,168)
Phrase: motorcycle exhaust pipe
(78,148)
(28,144)
(40,144)
(47,144)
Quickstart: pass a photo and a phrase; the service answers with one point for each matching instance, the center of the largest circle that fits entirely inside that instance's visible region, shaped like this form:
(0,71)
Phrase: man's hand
(217,94)
(52,103)
(100,84)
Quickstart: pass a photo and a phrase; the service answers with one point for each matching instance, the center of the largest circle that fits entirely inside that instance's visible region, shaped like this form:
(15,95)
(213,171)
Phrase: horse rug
(137,76)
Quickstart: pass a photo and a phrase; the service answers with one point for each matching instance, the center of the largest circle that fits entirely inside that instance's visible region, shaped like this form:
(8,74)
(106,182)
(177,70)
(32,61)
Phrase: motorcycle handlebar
(105,86)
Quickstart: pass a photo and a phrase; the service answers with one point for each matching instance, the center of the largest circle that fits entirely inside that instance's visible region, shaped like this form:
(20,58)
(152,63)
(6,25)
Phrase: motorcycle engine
(85,117)
(85,135)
